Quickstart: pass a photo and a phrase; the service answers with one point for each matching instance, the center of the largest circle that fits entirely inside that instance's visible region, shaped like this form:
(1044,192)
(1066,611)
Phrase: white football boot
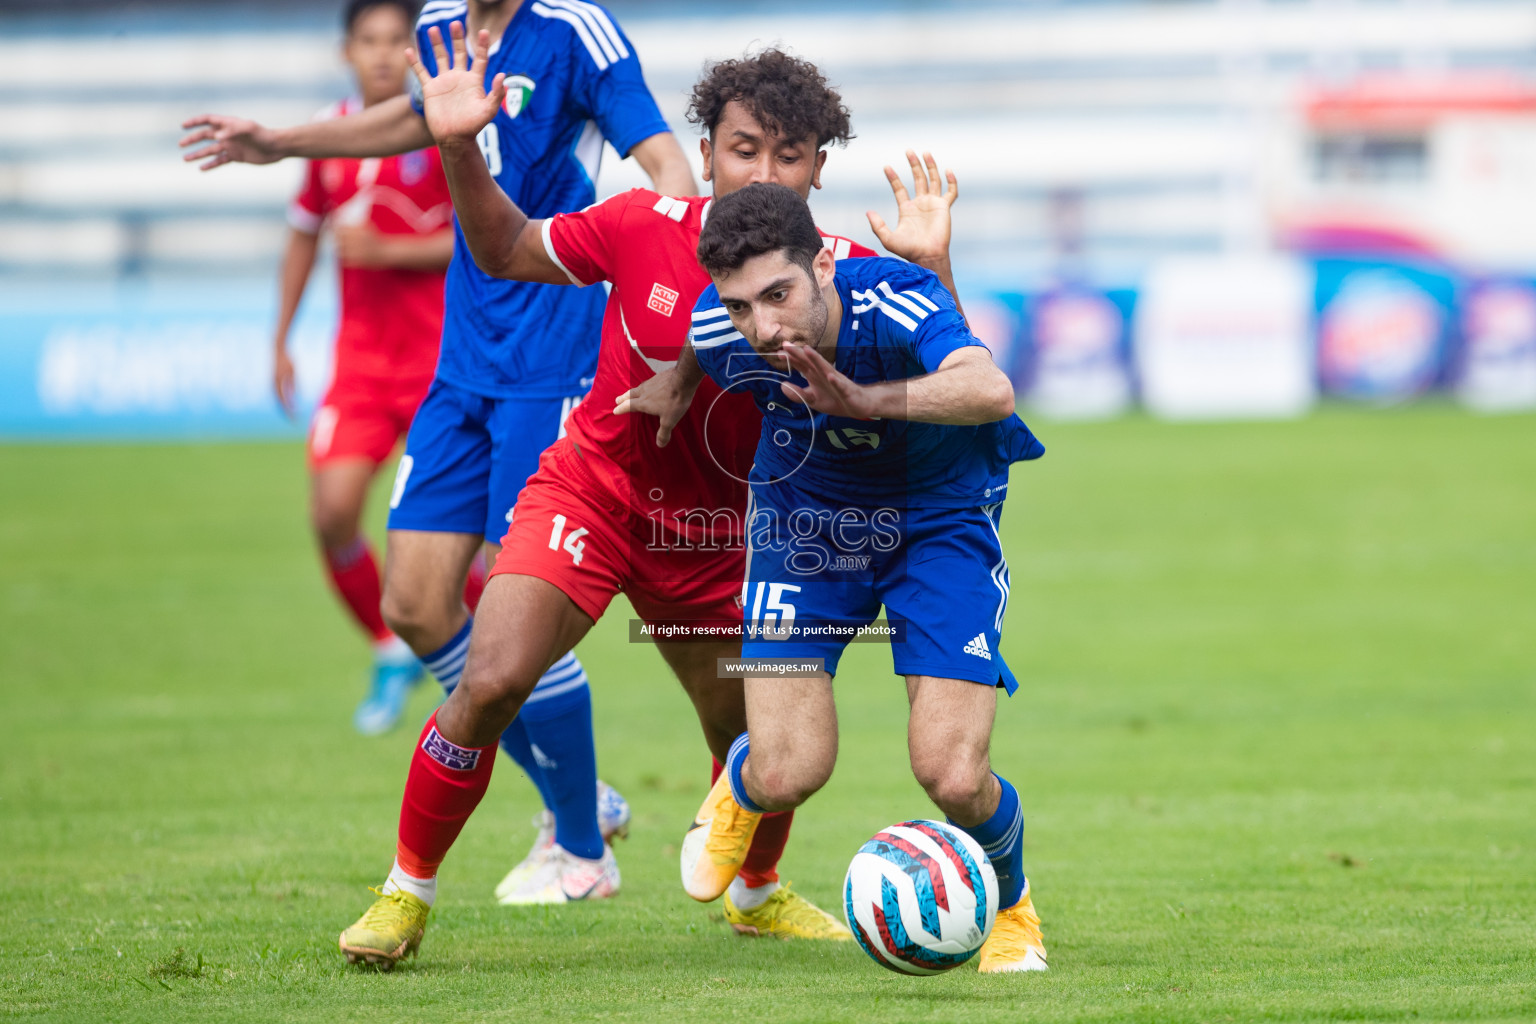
(533,881)
(563,877)
(589,879)
(521,875)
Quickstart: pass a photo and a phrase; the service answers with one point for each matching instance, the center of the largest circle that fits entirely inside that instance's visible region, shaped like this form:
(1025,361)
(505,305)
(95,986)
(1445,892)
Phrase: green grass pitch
(1276,743)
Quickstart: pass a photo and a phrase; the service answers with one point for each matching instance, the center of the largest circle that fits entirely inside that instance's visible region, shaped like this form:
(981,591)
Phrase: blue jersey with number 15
(572,80)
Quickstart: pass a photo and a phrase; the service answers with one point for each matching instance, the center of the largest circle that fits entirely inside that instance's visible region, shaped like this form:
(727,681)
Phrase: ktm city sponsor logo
(662,300)
(449,755)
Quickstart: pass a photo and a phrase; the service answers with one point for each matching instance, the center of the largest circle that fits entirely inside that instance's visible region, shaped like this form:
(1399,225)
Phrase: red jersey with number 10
(645,244)
(391,317)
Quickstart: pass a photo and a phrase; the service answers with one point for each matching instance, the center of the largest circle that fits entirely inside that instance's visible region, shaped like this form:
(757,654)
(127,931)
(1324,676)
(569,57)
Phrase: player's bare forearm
(664,162)
(293,275)
(689,373)
(384,129)
(967,389)
(666,396)
(490,220)
(501,238)
(417,252)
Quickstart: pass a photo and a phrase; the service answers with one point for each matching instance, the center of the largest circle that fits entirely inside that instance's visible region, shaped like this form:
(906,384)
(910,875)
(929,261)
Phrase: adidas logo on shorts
(978,647)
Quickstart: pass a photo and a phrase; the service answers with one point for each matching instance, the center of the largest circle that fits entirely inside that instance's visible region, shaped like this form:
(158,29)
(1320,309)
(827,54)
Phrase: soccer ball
(920,897)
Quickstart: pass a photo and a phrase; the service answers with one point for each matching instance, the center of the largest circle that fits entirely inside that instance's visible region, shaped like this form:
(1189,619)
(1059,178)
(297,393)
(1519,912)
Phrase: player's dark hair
(786,95)
(754,220)
(357,8)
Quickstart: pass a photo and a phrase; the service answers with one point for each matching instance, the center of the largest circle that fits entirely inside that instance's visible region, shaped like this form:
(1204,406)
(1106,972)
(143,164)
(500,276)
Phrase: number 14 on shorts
(572,543)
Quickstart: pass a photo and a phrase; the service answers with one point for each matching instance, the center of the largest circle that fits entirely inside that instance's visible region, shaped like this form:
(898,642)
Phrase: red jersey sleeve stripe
(549,247)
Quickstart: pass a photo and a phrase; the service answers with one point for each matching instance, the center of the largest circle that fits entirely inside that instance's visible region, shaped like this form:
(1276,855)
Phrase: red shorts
(567,529)
(363,418)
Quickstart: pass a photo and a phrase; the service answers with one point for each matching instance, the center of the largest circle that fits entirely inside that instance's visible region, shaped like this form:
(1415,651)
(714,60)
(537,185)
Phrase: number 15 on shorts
(769,615)
(572,541)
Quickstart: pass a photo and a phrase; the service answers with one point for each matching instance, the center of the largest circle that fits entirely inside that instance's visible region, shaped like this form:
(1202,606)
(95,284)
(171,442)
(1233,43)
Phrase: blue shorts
(816,569)
(467,457)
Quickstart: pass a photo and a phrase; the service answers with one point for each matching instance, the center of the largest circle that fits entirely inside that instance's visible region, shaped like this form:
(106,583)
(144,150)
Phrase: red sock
(768,842)
(474,585)
(355,575)
(762,863)
(445,785)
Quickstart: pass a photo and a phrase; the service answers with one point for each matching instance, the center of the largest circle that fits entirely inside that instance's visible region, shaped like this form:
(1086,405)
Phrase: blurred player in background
(392,220)
(585,525)
(516,358)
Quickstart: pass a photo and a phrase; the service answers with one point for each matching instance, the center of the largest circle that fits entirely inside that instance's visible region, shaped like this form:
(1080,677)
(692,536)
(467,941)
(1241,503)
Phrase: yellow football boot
(1015,943)
(787,915)
(387,931)
(716,844)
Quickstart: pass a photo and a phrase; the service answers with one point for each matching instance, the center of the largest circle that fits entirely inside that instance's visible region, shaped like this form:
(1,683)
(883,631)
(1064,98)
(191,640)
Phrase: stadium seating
(1144,116)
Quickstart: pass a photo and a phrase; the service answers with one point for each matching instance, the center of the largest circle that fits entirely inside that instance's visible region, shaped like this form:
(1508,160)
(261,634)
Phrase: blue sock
(520,749)
(447,662)
(558,721)
(447,666)
(1002,837)
(734,760)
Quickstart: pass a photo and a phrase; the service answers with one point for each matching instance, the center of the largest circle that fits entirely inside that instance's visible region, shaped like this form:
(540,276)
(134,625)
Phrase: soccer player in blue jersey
(887,437)
(515,358)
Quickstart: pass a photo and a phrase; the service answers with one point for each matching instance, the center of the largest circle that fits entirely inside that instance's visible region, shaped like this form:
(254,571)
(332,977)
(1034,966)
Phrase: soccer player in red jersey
(608,510)
(514,359)
(392,221)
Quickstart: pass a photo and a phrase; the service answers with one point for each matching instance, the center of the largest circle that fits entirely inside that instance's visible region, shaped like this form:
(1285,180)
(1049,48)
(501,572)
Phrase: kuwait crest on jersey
(519,92)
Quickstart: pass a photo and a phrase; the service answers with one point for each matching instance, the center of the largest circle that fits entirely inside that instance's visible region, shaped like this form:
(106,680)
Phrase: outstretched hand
(228,140)
(826,390)
(922,216)
(454,101)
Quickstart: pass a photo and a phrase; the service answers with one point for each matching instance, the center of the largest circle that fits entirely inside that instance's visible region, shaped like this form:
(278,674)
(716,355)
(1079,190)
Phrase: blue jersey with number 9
(572,80)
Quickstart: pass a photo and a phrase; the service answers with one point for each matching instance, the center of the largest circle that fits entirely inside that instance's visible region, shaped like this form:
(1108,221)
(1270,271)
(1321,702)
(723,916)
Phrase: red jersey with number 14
(391,317)
(645,244)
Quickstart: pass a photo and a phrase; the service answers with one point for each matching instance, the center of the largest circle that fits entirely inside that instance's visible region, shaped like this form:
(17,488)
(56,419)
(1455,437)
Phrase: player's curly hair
(758,219)
(786,95)
(355,9)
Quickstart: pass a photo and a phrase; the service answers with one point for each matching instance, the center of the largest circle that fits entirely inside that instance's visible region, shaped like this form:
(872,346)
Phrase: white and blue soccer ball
(921,897)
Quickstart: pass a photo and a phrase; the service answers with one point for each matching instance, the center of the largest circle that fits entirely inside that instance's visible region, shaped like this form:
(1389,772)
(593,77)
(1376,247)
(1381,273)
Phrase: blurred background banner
(1497,368)
(144,361)
(1078,351)
(1383,329)
(1110,154)
(1225,337)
